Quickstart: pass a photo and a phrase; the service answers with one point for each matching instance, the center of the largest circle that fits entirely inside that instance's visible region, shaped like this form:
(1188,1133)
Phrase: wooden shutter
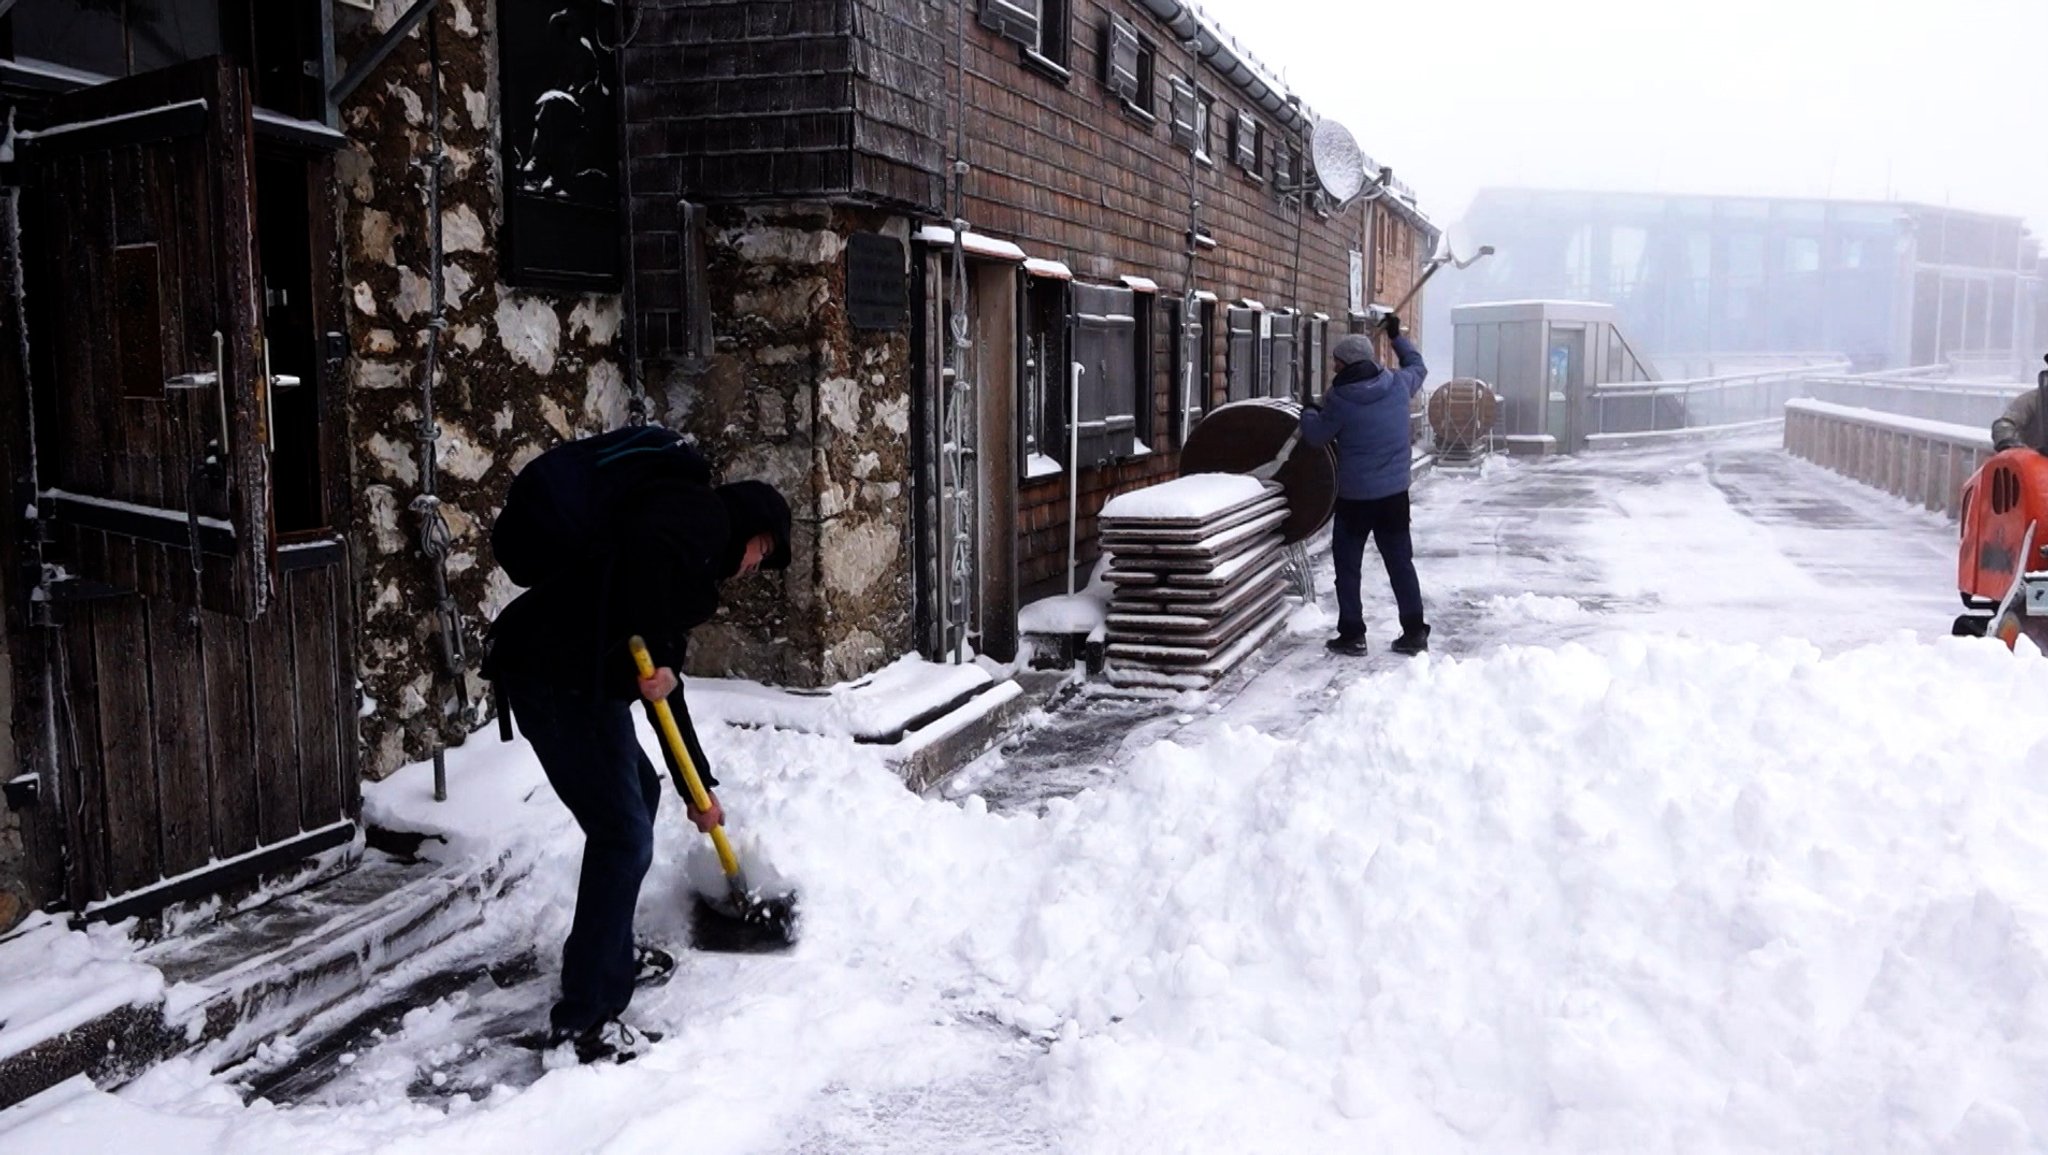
(1247,142)
(1190,383)
(1105,332)
(1012,20)
(1120,59)
(1184,115)
(1244,352)
(1282,364)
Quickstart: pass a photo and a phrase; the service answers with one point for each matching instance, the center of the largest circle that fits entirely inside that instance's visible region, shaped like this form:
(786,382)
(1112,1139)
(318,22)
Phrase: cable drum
(1244,436)
(1461,415)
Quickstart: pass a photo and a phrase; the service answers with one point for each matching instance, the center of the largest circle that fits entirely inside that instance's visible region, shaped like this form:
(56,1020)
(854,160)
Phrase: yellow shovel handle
(699,797)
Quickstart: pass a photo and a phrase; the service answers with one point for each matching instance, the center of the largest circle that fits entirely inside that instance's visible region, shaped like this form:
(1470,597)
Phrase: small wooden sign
(877,287)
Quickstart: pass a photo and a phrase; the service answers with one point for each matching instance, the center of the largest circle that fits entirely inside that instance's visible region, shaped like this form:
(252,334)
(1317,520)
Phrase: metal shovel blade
(742,923)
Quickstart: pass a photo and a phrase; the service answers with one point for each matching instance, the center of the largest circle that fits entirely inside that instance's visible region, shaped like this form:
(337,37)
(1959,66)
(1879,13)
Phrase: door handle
(210,379)
(272,383)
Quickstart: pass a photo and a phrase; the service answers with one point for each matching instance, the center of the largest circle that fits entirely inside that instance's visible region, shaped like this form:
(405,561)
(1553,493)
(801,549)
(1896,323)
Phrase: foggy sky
(1943,102)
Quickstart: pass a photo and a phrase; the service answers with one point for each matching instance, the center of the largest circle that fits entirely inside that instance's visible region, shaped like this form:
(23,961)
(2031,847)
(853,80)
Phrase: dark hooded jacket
(659,579)
(1366,414)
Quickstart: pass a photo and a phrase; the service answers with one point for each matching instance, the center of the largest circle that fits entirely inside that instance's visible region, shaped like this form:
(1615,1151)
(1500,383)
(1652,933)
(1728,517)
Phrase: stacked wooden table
(1197,568)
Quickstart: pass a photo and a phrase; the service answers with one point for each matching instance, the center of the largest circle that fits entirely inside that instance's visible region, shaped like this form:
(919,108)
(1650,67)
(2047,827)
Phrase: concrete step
(267,972)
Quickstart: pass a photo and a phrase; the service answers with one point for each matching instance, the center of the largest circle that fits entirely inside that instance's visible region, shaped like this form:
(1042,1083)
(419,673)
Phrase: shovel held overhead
(745,922)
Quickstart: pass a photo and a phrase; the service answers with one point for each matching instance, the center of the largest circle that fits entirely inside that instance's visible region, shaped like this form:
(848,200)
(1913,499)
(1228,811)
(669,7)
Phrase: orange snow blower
(2002,565)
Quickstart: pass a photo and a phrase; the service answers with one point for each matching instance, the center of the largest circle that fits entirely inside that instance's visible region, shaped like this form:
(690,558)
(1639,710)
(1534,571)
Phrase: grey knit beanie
(1351,349)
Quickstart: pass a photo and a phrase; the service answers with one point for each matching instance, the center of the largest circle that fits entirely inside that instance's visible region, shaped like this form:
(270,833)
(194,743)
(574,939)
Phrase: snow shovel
(743,922)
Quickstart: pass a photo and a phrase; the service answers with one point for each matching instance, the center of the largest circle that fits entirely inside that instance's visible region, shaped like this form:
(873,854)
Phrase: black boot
(1350,645)
(1414,639)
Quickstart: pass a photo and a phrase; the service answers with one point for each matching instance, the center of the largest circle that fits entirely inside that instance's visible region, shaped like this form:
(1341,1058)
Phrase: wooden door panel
(314,618)
(145,192)
(127,755)
(177,683)
(231,733)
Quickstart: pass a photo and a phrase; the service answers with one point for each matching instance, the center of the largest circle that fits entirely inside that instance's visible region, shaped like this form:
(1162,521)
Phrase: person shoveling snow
(619,536)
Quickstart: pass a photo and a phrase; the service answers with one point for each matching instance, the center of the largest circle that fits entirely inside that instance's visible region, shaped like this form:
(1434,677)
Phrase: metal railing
(1923,461)
(1931,399)
(1639,407)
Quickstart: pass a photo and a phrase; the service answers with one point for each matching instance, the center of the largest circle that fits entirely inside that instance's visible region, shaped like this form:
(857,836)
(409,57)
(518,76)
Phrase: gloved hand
(2005,443)
(1390,325)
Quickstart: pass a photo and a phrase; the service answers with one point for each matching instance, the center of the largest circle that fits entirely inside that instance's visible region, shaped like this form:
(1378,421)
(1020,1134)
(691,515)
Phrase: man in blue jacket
(1366,414)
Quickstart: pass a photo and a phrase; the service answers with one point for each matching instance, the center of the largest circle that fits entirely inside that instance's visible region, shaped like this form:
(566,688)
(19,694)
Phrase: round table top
(1243,435)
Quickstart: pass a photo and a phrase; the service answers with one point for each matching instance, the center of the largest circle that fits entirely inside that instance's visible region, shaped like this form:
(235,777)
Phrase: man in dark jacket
(2020,424)
(559,652)
(1366,414)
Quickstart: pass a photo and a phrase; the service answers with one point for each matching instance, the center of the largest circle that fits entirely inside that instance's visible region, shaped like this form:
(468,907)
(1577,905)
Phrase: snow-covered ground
(1695,833)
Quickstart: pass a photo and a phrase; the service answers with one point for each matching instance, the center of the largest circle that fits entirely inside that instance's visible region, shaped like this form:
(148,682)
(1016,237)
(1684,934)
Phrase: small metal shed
(1543,359)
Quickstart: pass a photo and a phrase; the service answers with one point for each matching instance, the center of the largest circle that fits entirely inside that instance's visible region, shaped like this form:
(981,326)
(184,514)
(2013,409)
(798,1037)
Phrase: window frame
(580,232)
(1044,305)
(1052,50)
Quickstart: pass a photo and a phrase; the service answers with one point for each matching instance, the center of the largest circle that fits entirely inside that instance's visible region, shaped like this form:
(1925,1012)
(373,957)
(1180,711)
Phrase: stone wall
(519,370)
(795,396)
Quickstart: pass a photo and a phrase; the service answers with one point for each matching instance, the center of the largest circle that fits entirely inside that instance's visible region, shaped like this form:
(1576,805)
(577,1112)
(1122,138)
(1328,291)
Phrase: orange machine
(2002,567)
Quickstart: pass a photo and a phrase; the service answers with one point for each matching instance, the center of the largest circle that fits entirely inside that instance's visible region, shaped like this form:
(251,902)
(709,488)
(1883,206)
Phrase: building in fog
(1886,284)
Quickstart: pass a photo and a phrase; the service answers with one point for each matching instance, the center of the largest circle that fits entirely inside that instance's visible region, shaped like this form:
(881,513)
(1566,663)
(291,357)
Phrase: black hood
(1364,370)
(754,507)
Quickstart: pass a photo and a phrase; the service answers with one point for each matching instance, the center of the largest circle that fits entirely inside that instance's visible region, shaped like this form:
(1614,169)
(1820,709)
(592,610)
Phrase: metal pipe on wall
(1073,471)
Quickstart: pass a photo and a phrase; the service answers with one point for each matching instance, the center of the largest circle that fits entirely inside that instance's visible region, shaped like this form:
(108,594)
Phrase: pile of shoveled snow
(1651,894)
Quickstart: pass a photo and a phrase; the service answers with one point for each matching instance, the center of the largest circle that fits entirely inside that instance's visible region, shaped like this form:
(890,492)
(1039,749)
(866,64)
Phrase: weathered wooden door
(204,695)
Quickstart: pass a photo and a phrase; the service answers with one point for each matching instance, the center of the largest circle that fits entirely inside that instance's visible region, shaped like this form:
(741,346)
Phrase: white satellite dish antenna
(1339,165)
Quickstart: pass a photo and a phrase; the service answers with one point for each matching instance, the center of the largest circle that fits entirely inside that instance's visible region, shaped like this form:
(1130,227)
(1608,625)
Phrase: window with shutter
(1243,353)
(1247,142)
(1120,59)
(1016,20)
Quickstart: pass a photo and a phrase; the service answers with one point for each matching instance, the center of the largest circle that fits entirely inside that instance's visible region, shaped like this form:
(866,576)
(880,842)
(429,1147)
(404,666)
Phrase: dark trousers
(586,744)
(1385,520)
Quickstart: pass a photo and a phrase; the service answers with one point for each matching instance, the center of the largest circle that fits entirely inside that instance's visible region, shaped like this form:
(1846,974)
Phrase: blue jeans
(1385,520)
(592,758)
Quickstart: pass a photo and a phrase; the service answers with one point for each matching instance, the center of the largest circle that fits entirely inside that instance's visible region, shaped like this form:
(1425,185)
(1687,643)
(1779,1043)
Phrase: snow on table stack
(1196,564)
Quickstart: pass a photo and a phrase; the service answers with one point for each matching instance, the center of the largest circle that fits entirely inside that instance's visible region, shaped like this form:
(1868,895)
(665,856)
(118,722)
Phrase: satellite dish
(1339,165)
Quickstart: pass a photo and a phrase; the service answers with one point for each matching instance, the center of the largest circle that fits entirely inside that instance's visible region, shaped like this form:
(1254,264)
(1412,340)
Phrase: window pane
(76,33)
(167,32)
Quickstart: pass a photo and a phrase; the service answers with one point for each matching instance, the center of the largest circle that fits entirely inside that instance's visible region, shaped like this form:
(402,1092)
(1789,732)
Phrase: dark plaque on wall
(877,289)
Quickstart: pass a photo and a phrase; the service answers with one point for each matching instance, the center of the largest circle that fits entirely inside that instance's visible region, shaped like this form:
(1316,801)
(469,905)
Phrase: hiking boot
(651,965)
(1349,645)
(611,1041)
(1413,640)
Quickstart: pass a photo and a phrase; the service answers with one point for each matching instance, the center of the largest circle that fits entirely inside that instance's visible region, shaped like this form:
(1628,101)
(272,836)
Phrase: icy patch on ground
(1643,895)
(1536,607)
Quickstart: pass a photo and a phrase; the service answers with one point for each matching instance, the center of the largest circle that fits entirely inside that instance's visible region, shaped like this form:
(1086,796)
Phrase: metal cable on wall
(436,542)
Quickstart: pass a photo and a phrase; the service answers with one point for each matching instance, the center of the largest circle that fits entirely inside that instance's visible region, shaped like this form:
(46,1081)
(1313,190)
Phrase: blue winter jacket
(1368,419)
